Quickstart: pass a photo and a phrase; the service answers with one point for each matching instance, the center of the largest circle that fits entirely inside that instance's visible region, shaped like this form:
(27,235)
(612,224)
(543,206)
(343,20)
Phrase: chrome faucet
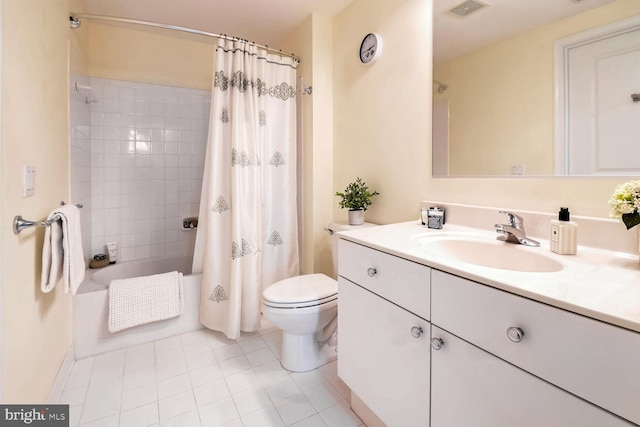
(514,231)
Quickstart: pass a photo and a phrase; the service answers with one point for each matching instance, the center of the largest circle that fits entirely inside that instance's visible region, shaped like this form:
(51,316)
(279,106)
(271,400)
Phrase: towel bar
(20,223)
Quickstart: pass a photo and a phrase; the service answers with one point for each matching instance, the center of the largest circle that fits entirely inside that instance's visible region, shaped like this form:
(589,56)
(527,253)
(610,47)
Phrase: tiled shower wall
(147,145)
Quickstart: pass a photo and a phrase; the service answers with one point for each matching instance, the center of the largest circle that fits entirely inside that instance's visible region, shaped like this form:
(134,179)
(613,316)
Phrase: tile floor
(204,379)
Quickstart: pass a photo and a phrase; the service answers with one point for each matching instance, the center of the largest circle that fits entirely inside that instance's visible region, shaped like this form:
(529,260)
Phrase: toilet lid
(299,289)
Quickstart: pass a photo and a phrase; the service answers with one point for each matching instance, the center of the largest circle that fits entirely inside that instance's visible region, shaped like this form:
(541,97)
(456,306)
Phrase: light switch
(28,180)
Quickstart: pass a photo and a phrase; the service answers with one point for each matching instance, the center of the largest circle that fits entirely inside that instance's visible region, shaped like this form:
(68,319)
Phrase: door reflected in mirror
(496,106)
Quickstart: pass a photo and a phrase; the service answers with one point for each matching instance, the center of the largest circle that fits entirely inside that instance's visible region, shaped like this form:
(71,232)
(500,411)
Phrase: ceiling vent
(467,8)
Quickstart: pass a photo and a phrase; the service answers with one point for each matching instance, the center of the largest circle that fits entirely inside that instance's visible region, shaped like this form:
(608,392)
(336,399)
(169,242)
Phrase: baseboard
(366,415)
(63,373)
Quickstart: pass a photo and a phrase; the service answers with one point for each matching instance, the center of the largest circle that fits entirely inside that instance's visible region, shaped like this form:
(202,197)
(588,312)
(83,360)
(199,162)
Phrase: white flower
(626,200)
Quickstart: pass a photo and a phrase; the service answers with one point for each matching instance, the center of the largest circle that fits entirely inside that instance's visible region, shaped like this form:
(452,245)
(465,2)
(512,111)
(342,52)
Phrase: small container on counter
(564,234)
(432,217)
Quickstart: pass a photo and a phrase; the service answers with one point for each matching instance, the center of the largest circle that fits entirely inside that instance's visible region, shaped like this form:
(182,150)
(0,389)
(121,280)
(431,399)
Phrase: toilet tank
(333,228)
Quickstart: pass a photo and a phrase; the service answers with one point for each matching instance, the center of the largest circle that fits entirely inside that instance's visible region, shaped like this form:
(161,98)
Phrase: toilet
(306,309)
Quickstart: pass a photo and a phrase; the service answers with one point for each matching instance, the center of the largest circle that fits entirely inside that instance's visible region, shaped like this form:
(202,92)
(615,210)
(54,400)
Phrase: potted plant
(356,197)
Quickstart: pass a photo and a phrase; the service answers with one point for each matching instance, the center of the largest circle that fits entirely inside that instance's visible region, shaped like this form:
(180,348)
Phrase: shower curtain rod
(74,20)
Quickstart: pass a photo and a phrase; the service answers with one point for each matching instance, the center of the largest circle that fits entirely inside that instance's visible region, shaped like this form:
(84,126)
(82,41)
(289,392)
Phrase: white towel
(62,255)
(146,299)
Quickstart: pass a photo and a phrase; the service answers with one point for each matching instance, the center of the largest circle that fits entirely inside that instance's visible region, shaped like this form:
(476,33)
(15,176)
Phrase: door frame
(561,50)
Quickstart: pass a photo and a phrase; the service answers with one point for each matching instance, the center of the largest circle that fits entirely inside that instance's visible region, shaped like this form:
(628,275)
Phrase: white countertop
(600,284)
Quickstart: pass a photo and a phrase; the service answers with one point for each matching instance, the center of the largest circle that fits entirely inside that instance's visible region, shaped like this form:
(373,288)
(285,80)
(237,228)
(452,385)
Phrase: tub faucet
(514,231)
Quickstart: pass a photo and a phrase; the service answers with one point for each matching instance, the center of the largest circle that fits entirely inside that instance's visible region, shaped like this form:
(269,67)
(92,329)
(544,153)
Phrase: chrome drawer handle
(372,272)
(437,343)
(416,332)
(515,334)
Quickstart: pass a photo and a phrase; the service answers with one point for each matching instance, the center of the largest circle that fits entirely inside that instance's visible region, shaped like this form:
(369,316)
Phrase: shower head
(441,86)
(74,22)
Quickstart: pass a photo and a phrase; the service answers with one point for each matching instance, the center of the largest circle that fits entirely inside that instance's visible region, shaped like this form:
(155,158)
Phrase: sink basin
(490,253)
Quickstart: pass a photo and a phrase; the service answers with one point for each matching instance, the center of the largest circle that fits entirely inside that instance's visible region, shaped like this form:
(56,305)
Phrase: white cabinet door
(470,387)
(380,359)
(591,359)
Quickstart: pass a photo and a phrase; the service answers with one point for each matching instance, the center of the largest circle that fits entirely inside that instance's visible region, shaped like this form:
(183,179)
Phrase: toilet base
(302,353)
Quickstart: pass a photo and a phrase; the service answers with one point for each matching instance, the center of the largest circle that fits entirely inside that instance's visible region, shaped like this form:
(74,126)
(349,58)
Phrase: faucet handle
(515,221)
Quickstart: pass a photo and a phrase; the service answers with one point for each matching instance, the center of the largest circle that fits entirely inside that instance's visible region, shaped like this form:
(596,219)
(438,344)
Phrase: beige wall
(78,44)
(323,145)
(312,42)
(501,97)
(36,327)
(150,56)
(382,112)
(300,42)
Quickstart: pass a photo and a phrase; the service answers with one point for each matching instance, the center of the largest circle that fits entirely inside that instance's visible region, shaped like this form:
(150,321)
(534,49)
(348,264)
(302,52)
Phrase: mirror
(494,89)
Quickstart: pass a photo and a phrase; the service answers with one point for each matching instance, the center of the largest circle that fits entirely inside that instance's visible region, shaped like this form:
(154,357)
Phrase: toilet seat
(301,291)
(299,305)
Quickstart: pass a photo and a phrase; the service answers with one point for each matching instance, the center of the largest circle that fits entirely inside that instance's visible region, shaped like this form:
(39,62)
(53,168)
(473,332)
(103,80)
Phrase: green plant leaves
(356,195)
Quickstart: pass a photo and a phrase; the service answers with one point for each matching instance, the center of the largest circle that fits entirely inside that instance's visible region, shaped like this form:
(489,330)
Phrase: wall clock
(370,48)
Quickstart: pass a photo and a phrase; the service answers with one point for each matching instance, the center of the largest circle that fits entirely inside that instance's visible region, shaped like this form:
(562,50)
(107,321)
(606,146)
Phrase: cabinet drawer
(402,282)
(592,359)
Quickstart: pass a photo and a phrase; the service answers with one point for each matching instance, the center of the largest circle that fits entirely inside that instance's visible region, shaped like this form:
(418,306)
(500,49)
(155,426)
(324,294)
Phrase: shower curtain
(247,234)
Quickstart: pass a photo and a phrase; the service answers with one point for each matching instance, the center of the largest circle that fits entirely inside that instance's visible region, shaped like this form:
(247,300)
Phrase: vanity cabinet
(384,348)
(423,347)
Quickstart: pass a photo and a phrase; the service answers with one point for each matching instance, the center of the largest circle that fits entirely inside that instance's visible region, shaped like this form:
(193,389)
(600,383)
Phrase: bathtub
(90,307)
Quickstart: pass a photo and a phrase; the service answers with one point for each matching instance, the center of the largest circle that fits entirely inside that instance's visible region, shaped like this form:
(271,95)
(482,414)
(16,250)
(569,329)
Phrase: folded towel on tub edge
(139,300)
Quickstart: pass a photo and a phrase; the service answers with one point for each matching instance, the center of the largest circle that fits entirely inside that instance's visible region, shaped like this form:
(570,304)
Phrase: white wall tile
(126,92)
(171,135)
(110,92)
(134,159)
(127,120)
(110,106)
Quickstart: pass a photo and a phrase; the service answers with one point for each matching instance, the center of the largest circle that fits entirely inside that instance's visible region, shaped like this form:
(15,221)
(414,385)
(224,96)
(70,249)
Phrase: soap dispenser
(564,234)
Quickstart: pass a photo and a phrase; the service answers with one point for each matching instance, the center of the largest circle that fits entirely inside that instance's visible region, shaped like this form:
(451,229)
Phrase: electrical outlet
(517,169)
